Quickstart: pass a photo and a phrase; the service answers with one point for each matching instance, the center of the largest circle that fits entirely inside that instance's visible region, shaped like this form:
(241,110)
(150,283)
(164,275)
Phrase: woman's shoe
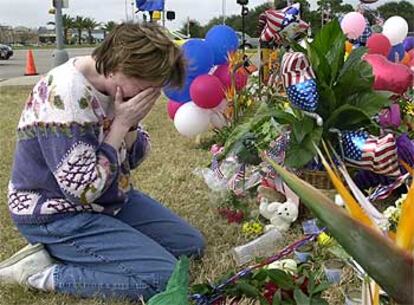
(28,261)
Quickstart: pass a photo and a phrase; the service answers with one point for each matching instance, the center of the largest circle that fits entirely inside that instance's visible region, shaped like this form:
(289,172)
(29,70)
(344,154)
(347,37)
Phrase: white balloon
(221,107)
(191,120)
(395,29)
(217,119)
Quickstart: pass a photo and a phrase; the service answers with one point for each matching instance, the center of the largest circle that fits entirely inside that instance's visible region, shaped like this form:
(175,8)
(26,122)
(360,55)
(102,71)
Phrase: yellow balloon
(348,47)
(407,59)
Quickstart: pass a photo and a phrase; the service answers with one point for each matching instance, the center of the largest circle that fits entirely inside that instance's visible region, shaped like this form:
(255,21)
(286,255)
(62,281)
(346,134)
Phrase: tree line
(80,24)
(404,9)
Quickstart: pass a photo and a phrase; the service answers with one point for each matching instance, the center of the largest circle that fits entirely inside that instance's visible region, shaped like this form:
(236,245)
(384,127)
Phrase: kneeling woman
(79,136)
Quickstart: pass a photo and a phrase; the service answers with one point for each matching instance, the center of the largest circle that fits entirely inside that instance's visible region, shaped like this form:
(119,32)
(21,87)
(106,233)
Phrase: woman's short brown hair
(141,51)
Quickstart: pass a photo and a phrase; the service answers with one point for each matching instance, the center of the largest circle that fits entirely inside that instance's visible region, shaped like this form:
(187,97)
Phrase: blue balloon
(199,56)
(304,96)
(408,43)
(222,40)
(397,50)
(179,95)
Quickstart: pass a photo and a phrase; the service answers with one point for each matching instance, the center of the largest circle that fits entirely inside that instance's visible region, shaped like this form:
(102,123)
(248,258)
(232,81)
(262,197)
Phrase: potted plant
(347,101)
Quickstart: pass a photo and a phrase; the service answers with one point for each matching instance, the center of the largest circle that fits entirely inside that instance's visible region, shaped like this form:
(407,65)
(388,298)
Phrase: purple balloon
(408,43)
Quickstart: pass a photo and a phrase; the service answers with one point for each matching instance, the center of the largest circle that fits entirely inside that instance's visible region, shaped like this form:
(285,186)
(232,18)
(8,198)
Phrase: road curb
(20,81)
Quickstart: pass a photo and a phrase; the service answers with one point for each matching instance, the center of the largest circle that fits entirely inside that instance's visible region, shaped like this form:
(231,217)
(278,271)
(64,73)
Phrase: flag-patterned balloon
(299,81)
(284,23)
(376,154)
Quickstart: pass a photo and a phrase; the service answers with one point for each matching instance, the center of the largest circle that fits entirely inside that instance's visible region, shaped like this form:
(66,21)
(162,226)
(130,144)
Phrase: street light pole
(60,55)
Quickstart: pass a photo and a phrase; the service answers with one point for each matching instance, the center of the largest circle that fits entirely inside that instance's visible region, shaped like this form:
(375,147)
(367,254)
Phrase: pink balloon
(172,107)
(389,76)
(379,44)
(207,91)
(353,25)
(223,74)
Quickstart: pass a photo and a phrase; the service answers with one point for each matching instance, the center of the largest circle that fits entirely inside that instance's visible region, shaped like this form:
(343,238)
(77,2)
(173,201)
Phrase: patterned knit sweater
(62,165)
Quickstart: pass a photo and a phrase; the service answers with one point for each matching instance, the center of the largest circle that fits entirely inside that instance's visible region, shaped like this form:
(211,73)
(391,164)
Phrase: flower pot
(353,296)
(304,253)
(333,270)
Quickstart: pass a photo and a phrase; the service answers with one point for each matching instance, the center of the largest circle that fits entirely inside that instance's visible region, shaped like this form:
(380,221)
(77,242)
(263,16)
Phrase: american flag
(279,20)
(237,182)
(377,154)
(215,167)
(299,81)
(382,192)
(296,69)
(277,149)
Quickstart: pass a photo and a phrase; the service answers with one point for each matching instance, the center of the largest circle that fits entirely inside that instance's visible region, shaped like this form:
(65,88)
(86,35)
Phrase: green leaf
(300,297)
(371,102)
(301,150)
(297,156)
(302,129)
(318,301)
(176,291)
(330,43)
(281,278)
(247,289)
(348,117)
(297,47)
(277,298)
(320,288)
(201,289)
(391,267)
(327,101)
(319,64)
(261,275)
(354,69)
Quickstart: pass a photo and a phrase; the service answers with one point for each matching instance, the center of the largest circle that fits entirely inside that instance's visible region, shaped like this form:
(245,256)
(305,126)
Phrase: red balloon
(172,107)
(389,76)
(207,91)
(378,44)
(223,74)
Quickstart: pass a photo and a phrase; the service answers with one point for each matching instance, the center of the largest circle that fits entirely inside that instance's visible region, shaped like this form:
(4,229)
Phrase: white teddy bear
(281,215)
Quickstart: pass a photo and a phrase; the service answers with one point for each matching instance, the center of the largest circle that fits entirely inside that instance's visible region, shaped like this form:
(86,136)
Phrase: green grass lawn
(166,176)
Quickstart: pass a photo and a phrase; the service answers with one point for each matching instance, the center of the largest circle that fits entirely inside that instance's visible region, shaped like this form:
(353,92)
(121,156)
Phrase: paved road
(15,66)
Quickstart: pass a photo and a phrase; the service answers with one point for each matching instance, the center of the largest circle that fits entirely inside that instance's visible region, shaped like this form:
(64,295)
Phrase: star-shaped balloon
(299,81)
(283,24)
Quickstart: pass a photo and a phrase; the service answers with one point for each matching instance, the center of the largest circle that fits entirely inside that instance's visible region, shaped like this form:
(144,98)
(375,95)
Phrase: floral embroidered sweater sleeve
(140,149)
(62,164)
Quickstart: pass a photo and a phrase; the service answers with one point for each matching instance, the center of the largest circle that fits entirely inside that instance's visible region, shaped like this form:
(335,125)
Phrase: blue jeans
(128,256)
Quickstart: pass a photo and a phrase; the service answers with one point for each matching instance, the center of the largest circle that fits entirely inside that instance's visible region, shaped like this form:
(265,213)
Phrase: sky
(34,13)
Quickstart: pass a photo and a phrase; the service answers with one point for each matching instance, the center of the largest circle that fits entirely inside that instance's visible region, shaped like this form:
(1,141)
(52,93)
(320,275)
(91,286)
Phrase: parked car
(250,42)
(178,38)
(5,51)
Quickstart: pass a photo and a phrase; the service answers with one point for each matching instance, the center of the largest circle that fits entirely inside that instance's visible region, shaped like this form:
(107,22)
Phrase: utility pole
(60,55)
(126,10)
(163,18)
(244,13)
(223,3)
(133,11)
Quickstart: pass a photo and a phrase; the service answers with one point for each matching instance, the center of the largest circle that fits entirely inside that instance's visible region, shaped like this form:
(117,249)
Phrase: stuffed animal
(281,215)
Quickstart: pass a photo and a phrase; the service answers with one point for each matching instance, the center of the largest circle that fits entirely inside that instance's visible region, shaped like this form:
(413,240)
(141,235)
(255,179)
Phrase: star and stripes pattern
(237,182)
(376,154)
(299,81)
(382,192)
(283,23)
